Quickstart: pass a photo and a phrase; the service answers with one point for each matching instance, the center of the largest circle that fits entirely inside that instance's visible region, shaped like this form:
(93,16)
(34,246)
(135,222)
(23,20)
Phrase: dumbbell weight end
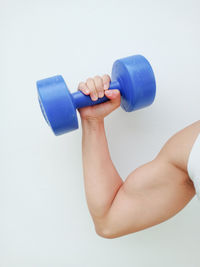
(132,75)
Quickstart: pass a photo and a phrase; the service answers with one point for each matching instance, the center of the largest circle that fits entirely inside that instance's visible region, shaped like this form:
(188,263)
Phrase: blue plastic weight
(133,76)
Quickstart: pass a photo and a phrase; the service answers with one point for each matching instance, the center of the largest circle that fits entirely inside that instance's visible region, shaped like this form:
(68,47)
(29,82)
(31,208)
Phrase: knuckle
(106,77)
(98,83)
(99,88)
(81,86)
(97,77)
(89,80)
(92,89)
(91,84)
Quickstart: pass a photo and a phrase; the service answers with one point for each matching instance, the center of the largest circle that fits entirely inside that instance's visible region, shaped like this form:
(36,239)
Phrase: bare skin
(152,193)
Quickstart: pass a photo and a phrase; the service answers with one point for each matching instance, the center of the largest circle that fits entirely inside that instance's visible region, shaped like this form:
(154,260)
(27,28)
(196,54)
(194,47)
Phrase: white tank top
(193,166)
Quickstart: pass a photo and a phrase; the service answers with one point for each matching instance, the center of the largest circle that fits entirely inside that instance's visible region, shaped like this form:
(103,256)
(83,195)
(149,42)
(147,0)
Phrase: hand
(97,88)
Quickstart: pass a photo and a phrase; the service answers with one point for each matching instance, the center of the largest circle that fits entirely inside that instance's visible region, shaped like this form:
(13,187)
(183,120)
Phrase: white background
(44,220)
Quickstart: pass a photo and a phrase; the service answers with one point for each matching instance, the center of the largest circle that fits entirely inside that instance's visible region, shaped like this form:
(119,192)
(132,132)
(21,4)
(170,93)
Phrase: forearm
(101,179)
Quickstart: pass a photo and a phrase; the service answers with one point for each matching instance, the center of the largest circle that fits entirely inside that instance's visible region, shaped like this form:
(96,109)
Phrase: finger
(92,88)
(113,95)
(115,99)
(83,88)
(106,81)
(99,86)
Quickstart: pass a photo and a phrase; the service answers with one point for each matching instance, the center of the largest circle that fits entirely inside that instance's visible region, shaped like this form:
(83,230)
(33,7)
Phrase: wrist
(92,124)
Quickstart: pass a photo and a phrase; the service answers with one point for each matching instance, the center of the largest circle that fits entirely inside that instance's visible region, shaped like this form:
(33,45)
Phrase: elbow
(110,232)
(106,232)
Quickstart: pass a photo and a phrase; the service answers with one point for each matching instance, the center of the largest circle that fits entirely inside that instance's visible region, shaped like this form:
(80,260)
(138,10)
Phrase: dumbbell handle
(80,100)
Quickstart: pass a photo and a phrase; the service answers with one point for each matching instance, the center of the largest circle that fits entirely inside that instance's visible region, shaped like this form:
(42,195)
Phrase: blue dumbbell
(133,76)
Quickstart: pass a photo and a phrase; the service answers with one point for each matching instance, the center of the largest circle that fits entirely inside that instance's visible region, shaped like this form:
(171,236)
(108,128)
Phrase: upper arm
(155,191)
(150,195)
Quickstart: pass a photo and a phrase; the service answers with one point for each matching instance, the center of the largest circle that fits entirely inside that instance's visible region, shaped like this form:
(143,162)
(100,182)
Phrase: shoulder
(177,149)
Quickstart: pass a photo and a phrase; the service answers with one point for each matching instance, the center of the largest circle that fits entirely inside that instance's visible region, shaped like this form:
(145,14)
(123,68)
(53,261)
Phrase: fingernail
(87,91)
(101,94)
(94,97)
(109,93)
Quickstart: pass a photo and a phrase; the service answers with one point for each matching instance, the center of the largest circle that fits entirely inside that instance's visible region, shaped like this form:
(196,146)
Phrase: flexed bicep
(150,195)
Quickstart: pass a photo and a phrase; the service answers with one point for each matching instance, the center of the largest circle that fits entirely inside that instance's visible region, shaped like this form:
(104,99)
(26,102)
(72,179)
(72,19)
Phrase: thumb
(115,98)
(113,95)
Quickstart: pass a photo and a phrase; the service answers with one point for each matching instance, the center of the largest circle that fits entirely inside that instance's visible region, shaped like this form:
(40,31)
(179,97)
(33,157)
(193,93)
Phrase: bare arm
(102,181)
(150,195)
